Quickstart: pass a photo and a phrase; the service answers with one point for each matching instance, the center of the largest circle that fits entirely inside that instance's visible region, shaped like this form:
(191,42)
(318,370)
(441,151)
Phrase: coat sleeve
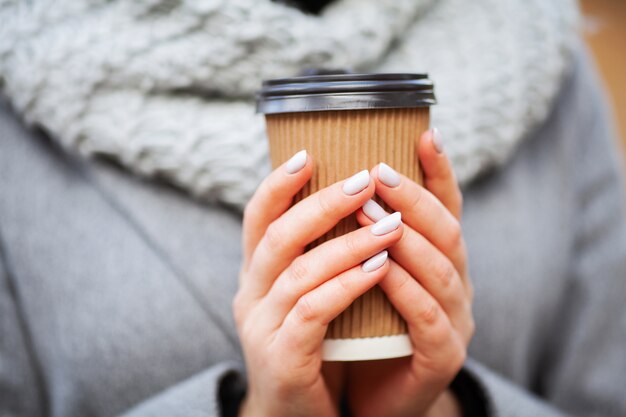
(215,392)
(585,373)
(589,364)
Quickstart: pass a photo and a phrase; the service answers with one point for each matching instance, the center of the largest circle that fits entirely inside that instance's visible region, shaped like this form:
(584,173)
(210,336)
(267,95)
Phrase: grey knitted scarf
(165,86)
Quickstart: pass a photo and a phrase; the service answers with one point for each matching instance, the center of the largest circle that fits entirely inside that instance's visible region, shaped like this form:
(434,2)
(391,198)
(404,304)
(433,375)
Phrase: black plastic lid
(344,92)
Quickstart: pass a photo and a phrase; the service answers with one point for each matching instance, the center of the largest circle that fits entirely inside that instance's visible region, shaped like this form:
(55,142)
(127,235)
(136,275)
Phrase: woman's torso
(124,286)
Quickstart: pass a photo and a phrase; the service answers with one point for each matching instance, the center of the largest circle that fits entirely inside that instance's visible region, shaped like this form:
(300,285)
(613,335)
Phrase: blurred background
(605,31)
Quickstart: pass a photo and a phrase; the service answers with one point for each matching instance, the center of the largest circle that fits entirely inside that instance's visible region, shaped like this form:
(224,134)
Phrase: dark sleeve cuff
(470,394)
(231,391)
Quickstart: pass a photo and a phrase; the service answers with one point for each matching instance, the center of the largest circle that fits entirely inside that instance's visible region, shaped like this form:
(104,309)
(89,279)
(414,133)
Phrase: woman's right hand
(286,297)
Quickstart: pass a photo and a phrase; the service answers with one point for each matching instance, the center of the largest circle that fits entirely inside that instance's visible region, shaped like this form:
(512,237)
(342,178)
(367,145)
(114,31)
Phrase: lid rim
(345,92)
(348,87)
(349,76)
(345,101)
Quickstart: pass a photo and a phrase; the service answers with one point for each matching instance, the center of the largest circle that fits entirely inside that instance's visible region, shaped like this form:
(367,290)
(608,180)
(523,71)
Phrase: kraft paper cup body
(343,142)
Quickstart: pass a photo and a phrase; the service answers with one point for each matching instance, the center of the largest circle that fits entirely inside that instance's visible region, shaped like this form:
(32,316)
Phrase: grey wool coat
(115,292)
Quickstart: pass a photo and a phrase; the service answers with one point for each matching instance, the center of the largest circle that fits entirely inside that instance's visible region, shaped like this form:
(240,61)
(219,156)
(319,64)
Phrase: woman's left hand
(429,285)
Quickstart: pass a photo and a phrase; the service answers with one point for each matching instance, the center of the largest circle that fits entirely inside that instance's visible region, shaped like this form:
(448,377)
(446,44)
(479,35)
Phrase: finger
(433,337)
(447,282)
(436,274)
(439,177)
(287,236)
(324,262)
(272,198)
(422,211)
(305,326)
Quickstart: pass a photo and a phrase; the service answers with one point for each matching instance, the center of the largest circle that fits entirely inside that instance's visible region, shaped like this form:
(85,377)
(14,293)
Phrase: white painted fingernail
(373,210)
(388,175)
(356,183)
(296,163)
(436,134)
(387,224)
(375,262)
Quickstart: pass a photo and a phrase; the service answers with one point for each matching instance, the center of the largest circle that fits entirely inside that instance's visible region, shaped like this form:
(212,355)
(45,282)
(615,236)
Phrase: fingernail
(388,175)
(373,210)
(387,224)
(436,135)
(375,262)
(296,163)
(356,183)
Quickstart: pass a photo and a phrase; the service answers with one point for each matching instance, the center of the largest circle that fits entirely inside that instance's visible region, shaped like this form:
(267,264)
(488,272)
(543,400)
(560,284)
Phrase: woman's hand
(287,297)
(428,284)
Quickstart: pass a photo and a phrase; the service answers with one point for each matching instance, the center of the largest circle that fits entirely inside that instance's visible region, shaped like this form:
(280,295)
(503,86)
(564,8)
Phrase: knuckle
(434,364)
(270,188)
(283,289)
(325,203)
(274,237)
(344,285)
(446,361)
(459,354)
(415,198)
(454,237)
(304,309)
(352,244)
(299,270)
(402,282)
(429,313)
(446,273)
(458,359)
(441,332)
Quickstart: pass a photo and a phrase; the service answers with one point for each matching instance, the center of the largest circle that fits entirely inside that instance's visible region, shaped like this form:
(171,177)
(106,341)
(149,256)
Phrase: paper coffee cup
(347,123)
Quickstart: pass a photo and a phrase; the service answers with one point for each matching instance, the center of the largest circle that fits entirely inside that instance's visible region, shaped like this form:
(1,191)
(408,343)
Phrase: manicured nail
(388,175)
(296,163)
(436,135)
(373,210)
(356,183)
(375,262)
(387,224)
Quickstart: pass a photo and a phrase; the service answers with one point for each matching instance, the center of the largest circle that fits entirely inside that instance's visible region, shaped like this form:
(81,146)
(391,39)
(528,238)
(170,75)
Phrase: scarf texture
(165,87)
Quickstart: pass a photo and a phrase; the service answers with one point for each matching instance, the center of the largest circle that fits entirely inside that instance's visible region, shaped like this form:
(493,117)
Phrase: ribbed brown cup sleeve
(343,143)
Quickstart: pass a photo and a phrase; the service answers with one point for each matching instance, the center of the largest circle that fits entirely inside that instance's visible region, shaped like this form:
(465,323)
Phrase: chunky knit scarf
(165,87)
